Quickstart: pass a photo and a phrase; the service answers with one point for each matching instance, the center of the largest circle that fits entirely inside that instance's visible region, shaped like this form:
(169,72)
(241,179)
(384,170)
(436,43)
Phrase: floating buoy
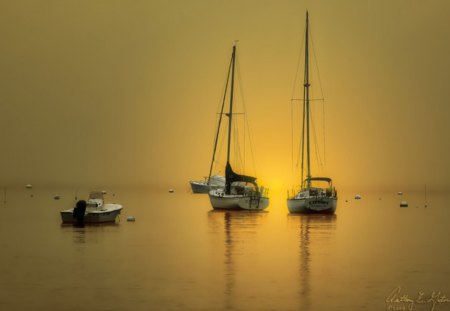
(131,218)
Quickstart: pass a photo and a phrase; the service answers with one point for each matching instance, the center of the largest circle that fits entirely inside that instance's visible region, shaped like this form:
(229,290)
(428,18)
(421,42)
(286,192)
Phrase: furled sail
(231,177)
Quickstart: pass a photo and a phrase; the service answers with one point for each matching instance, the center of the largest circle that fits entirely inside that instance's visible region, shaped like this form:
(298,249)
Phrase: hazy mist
(127,92)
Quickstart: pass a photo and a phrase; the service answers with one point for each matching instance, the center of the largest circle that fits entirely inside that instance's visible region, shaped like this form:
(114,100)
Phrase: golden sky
(126,92)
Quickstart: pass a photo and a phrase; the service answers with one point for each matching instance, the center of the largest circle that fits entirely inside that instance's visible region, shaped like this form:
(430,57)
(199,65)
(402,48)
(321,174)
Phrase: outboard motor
(78,213)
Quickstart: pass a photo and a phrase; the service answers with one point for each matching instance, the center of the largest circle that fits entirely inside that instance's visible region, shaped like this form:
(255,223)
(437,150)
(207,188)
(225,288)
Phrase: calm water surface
(181,255)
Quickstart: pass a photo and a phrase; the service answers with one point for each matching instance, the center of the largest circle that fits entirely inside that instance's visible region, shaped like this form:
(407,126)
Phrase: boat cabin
(319,186)
(95,200)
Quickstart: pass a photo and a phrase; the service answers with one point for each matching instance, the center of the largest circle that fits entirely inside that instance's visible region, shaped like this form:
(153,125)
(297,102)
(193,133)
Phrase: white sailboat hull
(220,200)
(199,187)
(312,205)
(215,182)
(254,203)
(202,187)
(225,201)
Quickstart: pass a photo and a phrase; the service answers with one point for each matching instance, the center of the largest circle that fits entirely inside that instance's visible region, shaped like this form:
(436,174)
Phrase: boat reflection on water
(238,231)
(91,233)
(79,235)
(316,234)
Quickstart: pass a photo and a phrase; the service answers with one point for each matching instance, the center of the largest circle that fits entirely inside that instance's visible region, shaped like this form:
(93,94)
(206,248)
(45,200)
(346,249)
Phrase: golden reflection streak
(237,227)
(312,229)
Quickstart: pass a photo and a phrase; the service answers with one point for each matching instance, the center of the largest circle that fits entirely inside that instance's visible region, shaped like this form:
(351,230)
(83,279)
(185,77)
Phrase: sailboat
(204,186)
(240,191)
(317,194)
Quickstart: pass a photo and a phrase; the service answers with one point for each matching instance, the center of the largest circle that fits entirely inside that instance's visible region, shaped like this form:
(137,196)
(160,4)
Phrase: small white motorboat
(357,197)
(403,204)
(97,211)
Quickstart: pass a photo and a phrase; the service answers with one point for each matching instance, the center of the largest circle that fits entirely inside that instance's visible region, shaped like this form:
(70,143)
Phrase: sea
(180,254)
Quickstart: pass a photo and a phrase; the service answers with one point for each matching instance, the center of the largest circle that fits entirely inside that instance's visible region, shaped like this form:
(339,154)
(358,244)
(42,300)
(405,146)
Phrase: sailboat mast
(230,116)
(230,113)
(306,86)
